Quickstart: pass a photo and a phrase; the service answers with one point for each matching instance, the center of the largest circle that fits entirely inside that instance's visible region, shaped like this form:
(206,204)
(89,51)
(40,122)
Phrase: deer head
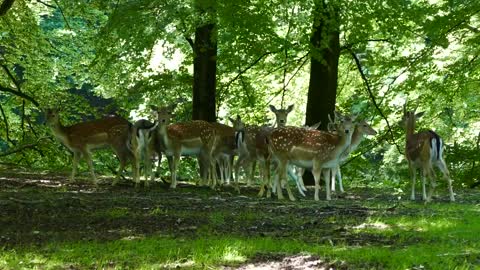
(281,115)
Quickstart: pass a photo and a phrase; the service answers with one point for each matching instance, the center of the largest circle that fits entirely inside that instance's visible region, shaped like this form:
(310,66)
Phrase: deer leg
(433,184)
(170,165)
(158,169)
(340,182)
(173,170)
(262,183)
(251,173)
(290,194)
(327,175)
(269,179)
(213,169)
(316,176)
(88,157)
(148,164)
(332,179)
(230,168)
(281,174)
(297,180)
(299,173)
(76,159)
(413,173)
(425,173)
(443,167)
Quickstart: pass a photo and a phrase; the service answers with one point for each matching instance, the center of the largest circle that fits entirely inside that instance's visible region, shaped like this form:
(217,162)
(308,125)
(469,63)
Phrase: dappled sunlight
(373,225)
(232,254)
(426,224)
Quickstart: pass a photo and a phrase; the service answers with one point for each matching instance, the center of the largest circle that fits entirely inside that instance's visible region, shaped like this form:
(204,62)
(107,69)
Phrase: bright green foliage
(137,53)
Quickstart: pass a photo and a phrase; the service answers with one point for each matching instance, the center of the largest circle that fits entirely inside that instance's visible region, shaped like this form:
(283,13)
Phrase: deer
(250,141)
(225,150)
(309,149)
(82,138)
(146,143)
(192,138)
(297,175)
(362,129)
(424,150)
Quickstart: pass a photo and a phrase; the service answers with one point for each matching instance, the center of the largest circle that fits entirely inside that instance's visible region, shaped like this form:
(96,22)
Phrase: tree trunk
(205,65)
(325,52)
(5,6)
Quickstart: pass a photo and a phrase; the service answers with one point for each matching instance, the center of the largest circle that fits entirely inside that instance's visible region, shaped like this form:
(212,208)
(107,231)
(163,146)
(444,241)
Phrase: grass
(197,228)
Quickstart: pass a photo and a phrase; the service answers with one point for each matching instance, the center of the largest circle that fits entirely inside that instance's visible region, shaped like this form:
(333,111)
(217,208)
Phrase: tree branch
(63,15)
(372,97)
(47,5)
(349,46)
(10,75)
(190,41)
(227,86)
(23,147)
(7,129)
(20,94)
(6,5)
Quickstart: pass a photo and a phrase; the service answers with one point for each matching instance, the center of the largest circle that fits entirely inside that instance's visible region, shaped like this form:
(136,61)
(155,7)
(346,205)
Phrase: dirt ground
(31,203)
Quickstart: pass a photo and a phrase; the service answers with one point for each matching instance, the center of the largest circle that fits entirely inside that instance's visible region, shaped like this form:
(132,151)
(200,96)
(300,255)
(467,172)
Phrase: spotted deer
(250,141)
(82,138)
(362,129)
(224,150)
(146,142)
(306,148)
(424,150)
(192,138)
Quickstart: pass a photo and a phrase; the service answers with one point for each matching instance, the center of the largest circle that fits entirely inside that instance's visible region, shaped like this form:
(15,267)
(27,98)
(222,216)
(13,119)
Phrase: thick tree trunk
(5,6)
(325,52)
(205,66)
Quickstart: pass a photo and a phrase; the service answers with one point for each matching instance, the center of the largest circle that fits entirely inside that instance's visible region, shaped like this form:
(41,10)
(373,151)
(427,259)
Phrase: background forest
(91,58)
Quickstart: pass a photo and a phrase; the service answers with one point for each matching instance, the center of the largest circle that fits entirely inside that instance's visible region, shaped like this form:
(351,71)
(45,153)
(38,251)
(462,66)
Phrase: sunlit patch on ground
(295,262)
(373,225)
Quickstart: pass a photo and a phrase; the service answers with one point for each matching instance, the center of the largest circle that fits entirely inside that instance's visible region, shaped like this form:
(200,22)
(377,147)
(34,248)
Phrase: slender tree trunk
(205,65)
(325,52)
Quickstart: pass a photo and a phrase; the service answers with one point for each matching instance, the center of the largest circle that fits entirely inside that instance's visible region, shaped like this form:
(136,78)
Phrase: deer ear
(272,108)
(355,116)
(338,115)
(231,120)
(316,125)
(420,114)
(172,107)
(290,108)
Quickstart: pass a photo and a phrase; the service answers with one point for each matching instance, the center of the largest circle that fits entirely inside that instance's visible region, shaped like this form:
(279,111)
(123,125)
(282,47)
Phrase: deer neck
(162,133)
(343,144)
(410,128)
(357,138)
(59,131)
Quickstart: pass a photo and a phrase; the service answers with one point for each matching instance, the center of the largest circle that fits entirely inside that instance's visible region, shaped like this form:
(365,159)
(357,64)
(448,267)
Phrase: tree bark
(325,53)
(205,65)
(5,6)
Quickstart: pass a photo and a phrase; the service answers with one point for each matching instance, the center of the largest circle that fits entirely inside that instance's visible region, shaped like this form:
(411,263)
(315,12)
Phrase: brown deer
(193,138)
(250,141)
(83,137)
(313,149)
(225,150)
(423,150)
(362,128)
(146,143)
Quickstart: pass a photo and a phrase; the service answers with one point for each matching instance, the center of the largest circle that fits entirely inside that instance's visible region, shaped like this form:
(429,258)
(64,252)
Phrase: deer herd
(285,150)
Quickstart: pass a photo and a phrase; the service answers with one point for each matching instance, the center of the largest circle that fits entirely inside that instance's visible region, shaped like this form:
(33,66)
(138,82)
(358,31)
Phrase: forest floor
(47,223)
